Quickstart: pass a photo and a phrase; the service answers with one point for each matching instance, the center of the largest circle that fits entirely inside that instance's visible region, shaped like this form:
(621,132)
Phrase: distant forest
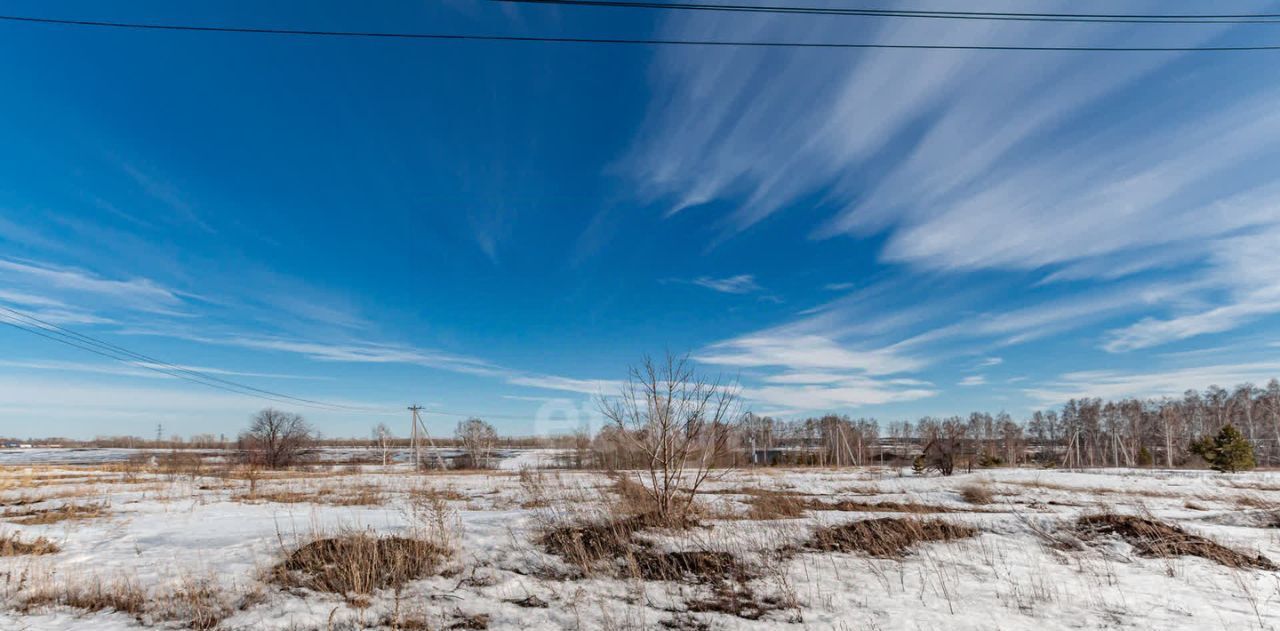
(1083,432)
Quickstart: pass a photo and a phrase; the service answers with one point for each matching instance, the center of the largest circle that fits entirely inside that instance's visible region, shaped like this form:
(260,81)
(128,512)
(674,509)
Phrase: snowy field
(507,459)
(196,548)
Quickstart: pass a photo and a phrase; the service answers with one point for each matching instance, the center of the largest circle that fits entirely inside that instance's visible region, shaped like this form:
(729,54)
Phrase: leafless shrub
(887,537)
(681,424)
(11,544)
(477,439)
(275,439)
(432,520)
(1153,538)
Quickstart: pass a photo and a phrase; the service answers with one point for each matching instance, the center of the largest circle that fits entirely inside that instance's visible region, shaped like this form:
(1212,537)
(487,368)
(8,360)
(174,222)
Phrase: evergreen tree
(1144,458)
(1229,451)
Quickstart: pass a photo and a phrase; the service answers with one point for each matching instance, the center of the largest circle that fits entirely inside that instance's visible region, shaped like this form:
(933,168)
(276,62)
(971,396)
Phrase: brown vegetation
(887,537)
(775,505)
(120,595)
(977,494)
(45,516)
(11,544)
(1153,538)
(359,563)
(853,506)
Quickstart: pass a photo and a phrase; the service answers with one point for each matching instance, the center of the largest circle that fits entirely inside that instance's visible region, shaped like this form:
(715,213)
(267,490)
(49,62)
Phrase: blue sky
(500,229)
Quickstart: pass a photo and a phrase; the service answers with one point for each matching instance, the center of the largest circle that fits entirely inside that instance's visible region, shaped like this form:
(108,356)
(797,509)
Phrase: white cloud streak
(740,284)
(1108,384)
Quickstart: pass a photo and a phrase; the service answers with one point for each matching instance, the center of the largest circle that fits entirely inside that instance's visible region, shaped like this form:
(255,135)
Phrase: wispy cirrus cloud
(566,384)
(1109,384)
(740,284)
(1245,267)
(35,282)
(804,352)
(138,369)
(968,162)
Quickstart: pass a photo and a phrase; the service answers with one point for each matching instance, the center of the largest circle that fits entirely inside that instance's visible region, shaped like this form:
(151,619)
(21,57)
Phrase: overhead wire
(1172,18)
(57,333)
(54,332)
(151,26)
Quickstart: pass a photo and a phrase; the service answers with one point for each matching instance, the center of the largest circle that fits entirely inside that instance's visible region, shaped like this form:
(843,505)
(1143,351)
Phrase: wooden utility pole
(417,423)
(413,434)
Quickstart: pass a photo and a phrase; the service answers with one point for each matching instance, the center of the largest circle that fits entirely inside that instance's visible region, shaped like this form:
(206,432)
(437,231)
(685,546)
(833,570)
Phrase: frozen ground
(162,533)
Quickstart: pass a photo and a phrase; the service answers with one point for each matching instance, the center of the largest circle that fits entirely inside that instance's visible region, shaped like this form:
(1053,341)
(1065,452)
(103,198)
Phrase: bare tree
(680,422)
(382,436)
(275,439)
(478,439)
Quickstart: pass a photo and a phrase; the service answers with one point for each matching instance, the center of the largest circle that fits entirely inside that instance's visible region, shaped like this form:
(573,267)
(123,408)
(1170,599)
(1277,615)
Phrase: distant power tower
(416,442)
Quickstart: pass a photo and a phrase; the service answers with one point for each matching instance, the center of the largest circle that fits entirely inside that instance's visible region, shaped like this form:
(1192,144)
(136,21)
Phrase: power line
(621,41)
(50,331)
(1185,18)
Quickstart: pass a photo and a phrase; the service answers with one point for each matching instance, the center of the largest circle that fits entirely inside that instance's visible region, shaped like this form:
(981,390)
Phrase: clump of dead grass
(886,537)
(11,544)
(46,516)
(775,505)
(195,604)
(356,564)
(977,494)
(359,495)
(1152,538)
(582,542)
(854,506)
(122,595)
(741,601)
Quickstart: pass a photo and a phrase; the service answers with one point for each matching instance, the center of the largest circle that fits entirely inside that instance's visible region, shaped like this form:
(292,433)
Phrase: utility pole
(417,422)
(159,433)
(413,434)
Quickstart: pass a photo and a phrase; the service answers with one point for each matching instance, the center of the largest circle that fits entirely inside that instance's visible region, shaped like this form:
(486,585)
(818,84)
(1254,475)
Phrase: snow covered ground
(163,533)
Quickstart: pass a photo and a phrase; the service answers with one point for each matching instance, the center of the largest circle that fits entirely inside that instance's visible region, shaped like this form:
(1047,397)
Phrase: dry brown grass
(741,601)
(432,493)
(11,544)
(582,542)
(775,505)
(886,537)
(1151,538)
(977,494)
(46,516)
(853,506)
(358,495)
(195,604)
(1253,500)
(122,595)
(356,564)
